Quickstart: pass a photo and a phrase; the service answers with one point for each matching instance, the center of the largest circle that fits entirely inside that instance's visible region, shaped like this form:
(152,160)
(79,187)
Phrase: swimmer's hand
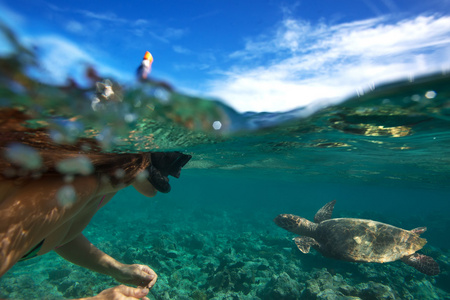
(163,165)
(121,292)
(139,275)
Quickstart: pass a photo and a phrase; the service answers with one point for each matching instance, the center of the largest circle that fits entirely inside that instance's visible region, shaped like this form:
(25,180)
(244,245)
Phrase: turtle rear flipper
(422,263)
(304,243)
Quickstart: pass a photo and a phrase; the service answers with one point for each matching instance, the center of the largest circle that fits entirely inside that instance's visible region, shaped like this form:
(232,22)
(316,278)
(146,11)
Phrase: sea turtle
(358,240)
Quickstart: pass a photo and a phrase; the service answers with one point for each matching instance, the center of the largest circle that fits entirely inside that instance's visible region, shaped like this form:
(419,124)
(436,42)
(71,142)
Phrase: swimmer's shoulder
(85,187)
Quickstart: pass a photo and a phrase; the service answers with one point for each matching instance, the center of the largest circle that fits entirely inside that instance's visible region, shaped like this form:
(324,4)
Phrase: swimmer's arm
(83,253)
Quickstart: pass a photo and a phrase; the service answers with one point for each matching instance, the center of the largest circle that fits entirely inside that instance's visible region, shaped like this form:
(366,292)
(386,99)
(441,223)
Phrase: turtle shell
(365,240)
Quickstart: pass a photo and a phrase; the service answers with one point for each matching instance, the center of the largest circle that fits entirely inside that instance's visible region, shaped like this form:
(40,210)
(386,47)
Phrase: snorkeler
(144,70)
(146,66)
(107,92)
(45,207)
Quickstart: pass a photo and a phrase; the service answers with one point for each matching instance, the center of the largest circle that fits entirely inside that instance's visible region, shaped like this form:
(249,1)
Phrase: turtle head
(294,224)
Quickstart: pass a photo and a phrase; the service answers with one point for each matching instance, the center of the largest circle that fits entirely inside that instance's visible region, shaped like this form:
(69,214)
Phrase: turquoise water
(383,156)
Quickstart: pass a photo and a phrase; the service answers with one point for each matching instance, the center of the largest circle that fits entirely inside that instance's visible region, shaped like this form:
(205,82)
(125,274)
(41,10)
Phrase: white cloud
(75,27)
(60,58)
(174,33)
(181,50)
(304,63)
(97,23)
(105,16)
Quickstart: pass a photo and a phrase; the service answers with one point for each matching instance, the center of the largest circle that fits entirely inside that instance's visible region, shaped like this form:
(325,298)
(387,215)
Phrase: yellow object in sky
(148,56)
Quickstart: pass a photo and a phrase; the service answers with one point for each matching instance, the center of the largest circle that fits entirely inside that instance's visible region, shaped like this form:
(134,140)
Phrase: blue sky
(254,55)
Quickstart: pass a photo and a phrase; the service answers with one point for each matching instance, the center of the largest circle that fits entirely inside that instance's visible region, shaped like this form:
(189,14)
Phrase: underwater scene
(383,155)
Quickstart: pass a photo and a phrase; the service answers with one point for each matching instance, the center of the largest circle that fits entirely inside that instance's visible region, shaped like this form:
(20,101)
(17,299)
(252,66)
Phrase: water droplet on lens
(79,165)
(119,173)
(66,196)
(430,94)
(142,176)
(24,156)
(129,118)
(415,98)
(217,125)
(105,137)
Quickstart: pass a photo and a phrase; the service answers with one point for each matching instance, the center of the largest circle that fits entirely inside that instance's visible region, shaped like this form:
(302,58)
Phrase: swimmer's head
(148,56)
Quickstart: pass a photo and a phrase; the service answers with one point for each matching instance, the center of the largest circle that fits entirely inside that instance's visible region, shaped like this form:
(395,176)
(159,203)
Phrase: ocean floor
(203,253)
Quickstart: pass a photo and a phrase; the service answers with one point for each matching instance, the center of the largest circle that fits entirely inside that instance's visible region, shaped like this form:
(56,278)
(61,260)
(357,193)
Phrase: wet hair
(118,168)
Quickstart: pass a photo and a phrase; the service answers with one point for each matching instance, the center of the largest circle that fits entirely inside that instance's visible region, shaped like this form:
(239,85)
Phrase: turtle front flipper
(325,212)
(304,243)
(422,263)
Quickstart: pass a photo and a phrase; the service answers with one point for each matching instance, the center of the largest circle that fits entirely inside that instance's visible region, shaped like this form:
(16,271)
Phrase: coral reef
(218,257)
